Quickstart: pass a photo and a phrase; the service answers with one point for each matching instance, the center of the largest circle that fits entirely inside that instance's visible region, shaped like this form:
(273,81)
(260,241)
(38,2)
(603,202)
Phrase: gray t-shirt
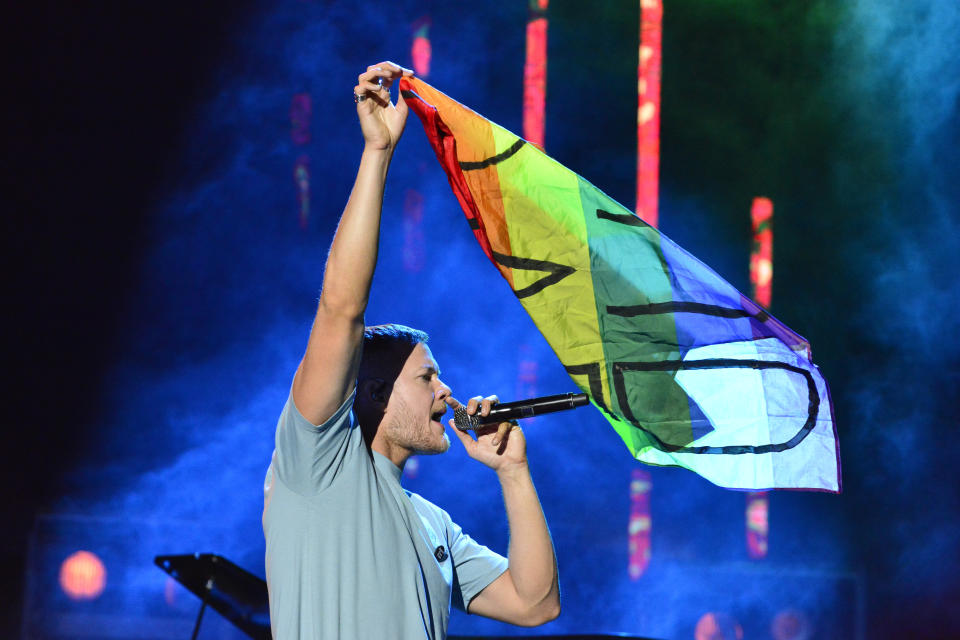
(350,553)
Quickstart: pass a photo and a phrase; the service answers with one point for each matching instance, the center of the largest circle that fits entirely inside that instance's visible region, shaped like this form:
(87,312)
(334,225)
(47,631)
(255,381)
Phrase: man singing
(351,554)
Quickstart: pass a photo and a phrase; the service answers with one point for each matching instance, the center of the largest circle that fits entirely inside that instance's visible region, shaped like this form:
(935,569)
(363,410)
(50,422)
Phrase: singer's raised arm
(328,371)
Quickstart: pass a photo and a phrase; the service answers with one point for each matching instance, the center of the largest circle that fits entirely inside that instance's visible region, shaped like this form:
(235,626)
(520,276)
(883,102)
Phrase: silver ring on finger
(359,97)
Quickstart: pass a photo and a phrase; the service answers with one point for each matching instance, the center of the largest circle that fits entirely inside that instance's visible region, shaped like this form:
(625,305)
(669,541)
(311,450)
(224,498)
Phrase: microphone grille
(464,421)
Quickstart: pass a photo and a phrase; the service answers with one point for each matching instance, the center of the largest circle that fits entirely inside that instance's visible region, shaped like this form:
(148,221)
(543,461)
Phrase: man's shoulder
(345,414)
(428,509)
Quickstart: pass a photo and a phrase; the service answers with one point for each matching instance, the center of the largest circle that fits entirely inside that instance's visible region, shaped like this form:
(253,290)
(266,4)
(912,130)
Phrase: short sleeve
(308,457)
(474,566)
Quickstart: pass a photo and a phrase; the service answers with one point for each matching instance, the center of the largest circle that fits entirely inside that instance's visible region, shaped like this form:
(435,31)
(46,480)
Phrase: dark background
(161,287)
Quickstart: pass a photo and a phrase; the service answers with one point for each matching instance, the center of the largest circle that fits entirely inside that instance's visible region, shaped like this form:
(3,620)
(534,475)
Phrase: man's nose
(443,392)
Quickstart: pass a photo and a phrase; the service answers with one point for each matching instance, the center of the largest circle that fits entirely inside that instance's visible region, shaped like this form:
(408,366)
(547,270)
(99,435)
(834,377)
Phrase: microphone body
(517,410)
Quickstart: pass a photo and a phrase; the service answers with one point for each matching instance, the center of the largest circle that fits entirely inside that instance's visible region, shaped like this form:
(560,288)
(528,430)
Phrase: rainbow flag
(689,371)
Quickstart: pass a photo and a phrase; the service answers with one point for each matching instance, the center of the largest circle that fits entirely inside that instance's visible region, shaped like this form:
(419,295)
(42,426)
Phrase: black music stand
(233,592)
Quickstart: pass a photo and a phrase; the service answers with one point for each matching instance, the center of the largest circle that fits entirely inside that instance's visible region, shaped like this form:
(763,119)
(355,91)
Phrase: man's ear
(377,390)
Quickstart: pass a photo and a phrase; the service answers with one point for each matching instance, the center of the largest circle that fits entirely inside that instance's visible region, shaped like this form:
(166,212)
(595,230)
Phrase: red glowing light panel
(83,576)
(761,283)
(758,523)
(421,52)
(301,175)
(648,109)
(717,626)
(640,523)
(535,74)
(761,258)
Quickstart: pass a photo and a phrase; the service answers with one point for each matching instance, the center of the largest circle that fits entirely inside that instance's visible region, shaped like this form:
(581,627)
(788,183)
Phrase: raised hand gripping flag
(688,371)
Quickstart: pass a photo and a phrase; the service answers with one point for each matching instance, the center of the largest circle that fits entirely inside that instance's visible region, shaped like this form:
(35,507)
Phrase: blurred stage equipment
(241,597)
(577,636)
(648,109)
(236,594)
(110,589)
(140,603)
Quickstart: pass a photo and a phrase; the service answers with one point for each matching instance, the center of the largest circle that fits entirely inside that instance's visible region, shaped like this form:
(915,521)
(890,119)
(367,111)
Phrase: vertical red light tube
(640,523)
(758,523)
(648,109)
(761,258)
(761,284)
(420,51)
(535,74)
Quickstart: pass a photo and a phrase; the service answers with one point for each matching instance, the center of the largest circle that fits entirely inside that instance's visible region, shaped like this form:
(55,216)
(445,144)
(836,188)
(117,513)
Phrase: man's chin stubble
(433,451)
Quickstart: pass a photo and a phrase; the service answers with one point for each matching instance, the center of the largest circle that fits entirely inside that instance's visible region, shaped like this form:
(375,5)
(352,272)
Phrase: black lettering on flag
(555,272)
(492,160)
(592,371)
(623,218)
(813,405)
(684,307)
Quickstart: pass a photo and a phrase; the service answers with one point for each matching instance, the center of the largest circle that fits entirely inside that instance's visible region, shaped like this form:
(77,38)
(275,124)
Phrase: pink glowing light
(761,258)
(421,52)
(83,576)
(640,524)
(758,524)
(648,109)
(535,74)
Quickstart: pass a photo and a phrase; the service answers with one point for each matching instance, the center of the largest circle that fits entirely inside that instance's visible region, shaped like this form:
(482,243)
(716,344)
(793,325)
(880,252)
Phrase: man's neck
(394,453)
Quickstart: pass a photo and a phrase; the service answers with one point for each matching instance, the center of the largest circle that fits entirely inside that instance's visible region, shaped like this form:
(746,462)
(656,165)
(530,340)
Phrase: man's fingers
(501,433)
(386,70)
(402,105)
(386,65)
(468,442)
(486,403)
(473,405)
(452,402)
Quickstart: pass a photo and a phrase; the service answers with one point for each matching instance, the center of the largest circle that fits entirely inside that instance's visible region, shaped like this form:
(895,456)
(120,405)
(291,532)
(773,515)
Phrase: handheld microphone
(507,411)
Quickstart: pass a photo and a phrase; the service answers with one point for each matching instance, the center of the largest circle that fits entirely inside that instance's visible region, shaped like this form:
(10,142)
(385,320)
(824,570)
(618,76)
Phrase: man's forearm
(353,253)
(533,564)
